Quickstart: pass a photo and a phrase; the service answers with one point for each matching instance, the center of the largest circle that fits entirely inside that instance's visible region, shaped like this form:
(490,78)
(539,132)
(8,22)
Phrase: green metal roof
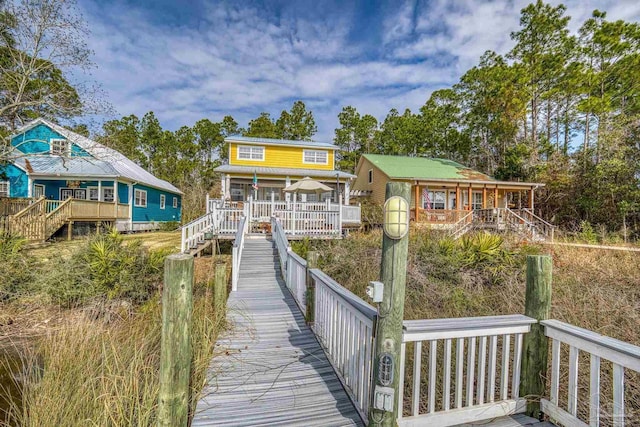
(424,168)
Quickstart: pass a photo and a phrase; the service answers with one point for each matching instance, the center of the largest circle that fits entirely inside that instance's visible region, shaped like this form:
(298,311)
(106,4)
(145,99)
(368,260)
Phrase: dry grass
(89,371)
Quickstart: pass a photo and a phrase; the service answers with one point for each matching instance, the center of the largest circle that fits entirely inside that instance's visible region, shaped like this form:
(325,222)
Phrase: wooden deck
(274,371)
(513,421)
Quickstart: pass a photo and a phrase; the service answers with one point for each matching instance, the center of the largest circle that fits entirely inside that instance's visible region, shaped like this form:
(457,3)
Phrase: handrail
(482,388)
(536,217)
(296,279)
(238,246)
(33,205)
(621,355)
(362,307)
(282,244)
(345,326)
(465,222)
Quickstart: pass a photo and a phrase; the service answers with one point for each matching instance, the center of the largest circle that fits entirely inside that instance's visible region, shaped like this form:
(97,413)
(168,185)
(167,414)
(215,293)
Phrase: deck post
(312,262)
(175,354)
(393,273)
(535,344)
(220,289)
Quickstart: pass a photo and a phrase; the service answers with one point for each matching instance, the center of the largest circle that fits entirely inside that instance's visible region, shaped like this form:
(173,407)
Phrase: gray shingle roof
(71,166)
(250,170)
(123,167)
(271,141)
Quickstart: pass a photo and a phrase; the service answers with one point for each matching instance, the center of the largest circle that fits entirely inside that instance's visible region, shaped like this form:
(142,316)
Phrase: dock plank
(273,371)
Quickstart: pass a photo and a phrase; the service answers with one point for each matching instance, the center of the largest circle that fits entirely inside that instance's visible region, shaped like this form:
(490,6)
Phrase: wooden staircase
(521,222)
(41,219)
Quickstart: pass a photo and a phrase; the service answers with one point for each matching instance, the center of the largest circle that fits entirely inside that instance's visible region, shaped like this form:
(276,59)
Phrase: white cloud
(243,60)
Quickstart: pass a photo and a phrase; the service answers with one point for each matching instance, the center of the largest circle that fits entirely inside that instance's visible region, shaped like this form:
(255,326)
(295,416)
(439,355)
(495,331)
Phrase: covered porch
(446,203)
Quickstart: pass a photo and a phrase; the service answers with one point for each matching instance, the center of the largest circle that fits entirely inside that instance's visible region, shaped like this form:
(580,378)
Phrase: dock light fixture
(396,217)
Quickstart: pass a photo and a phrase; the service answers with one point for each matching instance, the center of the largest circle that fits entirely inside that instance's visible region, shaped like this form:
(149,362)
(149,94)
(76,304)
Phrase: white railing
(351,214)
(483,371)
(282,244)
(238,246)
(310,223)
(462,226)
(193,232)
(543,227)
(621,355)
(344,324)
(296,279)
(227,220)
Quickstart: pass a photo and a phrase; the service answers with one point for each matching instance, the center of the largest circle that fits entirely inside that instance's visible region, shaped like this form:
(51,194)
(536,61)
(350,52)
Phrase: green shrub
(587,233)
(105,268)
(169,226)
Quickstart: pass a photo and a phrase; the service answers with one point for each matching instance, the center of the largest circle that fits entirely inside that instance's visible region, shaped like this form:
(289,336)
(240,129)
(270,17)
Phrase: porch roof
(71,166)
(293,172)
(425,169)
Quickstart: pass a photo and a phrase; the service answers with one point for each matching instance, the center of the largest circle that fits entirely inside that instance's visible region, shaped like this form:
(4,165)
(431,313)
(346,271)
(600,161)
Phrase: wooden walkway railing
(484,385)
(238,246)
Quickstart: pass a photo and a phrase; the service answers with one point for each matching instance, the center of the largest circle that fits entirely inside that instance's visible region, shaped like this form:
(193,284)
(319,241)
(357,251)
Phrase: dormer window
(250,152)
(59,147)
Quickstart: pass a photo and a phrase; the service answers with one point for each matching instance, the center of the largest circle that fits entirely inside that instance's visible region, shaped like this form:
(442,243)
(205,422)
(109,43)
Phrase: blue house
(61,174)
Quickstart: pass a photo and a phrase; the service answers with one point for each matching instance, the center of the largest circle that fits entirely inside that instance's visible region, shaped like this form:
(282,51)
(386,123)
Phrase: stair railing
(463,225)
(56,217)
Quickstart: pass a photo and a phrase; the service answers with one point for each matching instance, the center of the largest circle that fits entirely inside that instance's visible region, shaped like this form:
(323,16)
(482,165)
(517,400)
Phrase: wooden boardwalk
(274,371)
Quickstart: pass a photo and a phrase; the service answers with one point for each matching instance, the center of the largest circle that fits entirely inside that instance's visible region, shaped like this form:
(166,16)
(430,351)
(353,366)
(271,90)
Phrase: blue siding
(36,141)
(18,180)
(123,193)
(153,212)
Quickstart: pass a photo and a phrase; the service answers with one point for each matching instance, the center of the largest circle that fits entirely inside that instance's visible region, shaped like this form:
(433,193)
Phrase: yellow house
(261,168)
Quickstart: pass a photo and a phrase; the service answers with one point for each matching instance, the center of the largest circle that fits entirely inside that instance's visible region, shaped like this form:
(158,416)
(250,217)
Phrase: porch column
(99,190)
(458,200)
(223,187)
(495,197)
(484,197)
(287,182)
(531,200)
(115,197)
(29,187)
(227,194)
(347,190)
(417,201)
(469,200)
(130,207)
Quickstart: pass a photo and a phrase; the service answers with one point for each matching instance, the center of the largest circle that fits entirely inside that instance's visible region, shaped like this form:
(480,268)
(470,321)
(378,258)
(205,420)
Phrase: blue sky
(187,60)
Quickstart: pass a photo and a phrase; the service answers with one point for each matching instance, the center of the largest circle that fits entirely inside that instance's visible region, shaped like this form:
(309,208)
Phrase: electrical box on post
(375,291)
(383,398)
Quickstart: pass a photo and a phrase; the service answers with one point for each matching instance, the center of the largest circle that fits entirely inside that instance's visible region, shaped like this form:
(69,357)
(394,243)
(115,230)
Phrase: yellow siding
(280,156)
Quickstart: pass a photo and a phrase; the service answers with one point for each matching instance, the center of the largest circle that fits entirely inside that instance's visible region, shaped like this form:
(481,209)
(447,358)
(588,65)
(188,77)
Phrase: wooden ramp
(274,372)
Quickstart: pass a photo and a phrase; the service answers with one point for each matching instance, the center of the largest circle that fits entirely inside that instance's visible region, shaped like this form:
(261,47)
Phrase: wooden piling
(535,344)
(175,357)
(312,262)
(393,272)
(220,289)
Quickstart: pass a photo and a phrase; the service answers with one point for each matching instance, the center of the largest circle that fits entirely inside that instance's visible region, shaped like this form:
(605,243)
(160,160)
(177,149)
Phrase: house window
(93,193)
(175,203)
(370,176)
(4,188)
(38,190)
(318,157)
(59,146)
(248,152)
(477,201)
(140,198)
(434,200)
(162,201)
(107,194)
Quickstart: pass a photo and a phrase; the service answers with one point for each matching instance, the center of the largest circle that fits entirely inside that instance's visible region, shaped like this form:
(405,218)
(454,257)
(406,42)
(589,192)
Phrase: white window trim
(163,201)
(135,203)
(92,187)
(66,151)
(326,161)
(8,184)
(38,185)
(370,176)
(251,147)
(104,199)
(175,203)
